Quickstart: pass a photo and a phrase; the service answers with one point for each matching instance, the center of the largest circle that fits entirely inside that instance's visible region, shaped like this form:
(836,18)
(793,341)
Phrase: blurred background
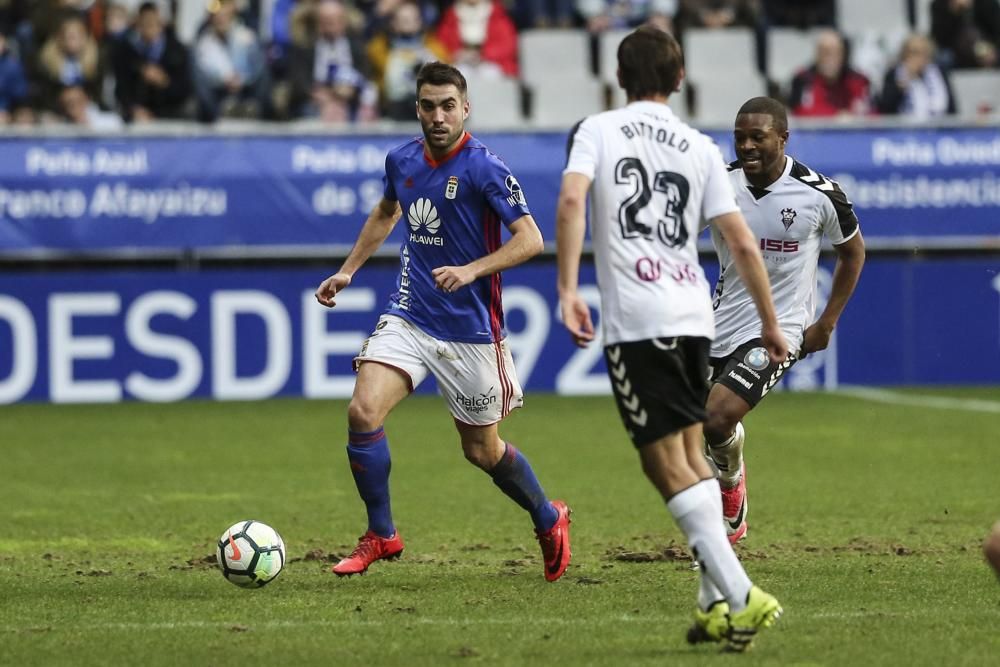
(176,177)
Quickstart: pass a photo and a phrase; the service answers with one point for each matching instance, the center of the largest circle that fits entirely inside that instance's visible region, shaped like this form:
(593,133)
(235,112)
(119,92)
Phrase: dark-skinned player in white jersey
(789,208)
(652,181)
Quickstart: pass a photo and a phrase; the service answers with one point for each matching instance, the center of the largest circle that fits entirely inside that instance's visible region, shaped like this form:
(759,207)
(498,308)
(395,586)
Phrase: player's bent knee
(362,417)
(719,426)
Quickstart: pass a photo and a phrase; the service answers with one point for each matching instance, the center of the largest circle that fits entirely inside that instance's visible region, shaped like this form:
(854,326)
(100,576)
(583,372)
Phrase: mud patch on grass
(669,553)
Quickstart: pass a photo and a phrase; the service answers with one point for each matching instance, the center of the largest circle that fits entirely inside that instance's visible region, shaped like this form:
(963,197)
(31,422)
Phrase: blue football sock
(514,476)
(370,465)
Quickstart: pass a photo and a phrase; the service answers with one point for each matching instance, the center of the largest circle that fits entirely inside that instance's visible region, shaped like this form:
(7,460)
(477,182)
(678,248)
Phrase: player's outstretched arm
(380,222)
(524,243)
(571,225)
(750,265)
(850,260)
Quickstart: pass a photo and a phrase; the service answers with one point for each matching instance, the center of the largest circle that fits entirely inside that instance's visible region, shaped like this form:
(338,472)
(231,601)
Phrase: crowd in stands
(106,63)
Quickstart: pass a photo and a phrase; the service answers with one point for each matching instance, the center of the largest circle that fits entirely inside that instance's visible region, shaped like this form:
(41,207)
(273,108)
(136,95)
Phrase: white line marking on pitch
(921,401)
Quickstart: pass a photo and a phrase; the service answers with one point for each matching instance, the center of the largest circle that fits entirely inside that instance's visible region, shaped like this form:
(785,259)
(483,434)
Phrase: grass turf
(866,521)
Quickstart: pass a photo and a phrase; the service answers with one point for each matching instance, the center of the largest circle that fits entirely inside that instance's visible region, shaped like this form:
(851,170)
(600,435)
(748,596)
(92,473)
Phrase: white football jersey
(655,179)
(789,219)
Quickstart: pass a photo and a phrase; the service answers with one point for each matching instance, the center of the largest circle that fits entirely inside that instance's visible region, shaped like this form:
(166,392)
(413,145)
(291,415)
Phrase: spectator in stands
(718,14)
(396,56)
(967,31)
(480,37)
(152,72)
(802,14)
(544,13)
(229,68)
(329,70)
(602,15)
(77,108)
(13,83)
(830,87)
(915,86)
(69,58)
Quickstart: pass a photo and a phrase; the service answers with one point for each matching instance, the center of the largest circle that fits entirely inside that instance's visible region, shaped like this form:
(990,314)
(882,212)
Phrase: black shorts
(749,372)
(660,385)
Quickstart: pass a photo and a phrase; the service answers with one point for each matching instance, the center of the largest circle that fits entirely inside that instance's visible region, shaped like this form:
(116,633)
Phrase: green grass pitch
(866,521)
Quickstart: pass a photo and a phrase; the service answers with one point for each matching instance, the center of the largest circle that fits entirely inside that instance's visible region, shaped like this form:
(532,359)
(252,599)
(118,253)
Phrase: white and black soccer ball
(250,554)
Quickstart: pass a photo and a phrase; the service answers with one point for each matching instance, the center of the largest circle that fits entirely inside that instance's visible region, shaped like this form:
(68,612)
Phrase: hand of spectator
(367,113)
(717,18)
(234,83)
(333,110)
(155,75)
(468,56)
(141,114)
(599,23)
(663,22)
(4,117)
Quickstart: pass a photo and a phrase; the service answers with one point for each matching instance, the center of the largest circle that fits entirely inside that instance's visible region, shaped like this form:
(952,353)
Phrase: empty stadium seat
(788,51)
(560,104)
(549,54)
(708,53)
(854,16)
(495,102)
(976,91)
(607,55)
(719,98)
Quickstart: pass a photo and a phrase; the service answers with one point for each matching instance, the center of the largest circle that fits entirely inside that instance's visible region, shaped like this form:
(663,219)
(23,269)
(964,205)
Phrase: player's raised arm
(750,265)
(571,225)
(525,242)
(850,260)
(380,222)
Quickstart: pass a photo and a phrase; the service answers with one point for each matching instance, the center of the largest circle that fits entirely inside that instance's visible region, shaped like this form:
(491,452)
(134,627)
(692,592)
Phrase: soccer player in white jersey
(789,208)
(652,180)
(446,316)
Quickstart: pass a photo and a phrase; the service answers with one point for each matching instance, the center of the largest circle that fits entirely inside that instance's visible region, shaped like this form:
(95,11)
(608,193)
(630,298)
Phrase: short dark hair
(650,62)
(441,74)
(768,106)
(148,7)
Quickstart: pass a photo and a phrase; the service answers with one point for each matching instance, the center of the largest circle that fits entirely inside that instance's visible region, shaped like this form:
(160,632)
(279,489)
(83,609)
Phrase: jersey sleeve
(581,149)
(501,189)
(388,185)
(719,196)
(841,223)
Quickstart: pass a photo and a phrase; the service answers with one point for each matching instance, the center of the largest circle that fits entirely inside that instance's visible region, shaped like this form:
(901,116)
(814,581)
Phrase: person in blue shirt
(445,317)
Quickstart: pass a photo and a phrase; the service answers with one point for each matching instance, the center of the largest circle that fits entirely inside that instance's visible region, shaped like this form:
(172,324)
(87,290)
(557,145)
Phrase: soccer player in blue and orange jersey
(445,317)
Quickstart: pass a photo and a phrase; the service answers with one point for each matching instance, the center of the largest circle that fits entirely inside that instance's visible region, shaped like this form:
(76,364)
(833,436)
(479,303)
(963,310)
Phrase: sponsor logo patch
(757,359)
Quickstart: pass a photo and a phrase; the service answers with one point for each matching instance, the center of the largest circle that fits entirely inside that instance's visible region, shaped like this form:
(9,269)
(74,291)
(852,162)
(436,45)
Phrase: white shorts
(477,379)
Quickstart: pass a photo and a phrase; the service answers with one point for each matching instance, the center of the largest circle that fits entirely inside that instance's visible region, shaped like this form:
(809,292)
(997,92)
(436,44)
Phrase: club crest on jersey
(516,196)
(451,190)
(788,217)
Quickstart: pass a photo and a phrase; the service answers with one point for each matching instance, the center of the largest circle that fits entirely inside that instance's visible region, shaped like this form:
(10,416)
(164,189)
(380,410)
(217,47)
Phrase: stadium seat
(708,53)
(548,55)
(879,16)
(678,101)
(561,103)
(719,98)
(495,102)
(788,51)
(607,55)
(976,91)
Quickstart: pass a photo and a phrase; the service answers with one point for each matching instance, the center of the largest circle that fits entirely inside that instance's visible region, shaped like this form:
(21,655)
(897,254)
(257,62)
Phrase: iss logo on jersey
(423,217)
(516,196)
(788,217)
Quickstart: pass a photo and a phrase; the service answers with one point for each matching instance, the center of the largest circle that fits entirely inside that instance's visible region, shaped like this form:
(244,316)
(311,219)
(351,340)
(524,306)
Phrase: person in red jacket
(830,87)
(480,35)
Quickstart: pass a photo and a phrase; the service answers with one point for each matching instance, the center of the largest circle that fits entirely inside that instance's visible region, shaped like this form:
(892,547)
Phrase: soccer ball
(250,554)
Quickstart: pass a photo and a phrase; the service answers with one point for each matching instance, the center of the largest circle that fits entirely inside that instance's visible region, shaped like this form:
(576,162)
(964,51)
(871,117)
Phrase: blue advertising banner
(243,335)
(172,195)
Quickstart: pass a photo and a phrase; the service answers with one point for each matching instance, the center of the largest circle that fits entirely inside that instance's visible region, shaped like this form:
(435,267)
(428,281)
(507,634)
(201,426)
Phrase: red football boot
(555,543)
(370,548)
(734,508)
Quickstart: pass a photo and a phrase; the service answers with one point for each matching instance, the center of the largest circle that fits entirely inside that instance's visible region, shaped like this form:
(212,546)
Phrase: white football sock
(699,515)
(728,457)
